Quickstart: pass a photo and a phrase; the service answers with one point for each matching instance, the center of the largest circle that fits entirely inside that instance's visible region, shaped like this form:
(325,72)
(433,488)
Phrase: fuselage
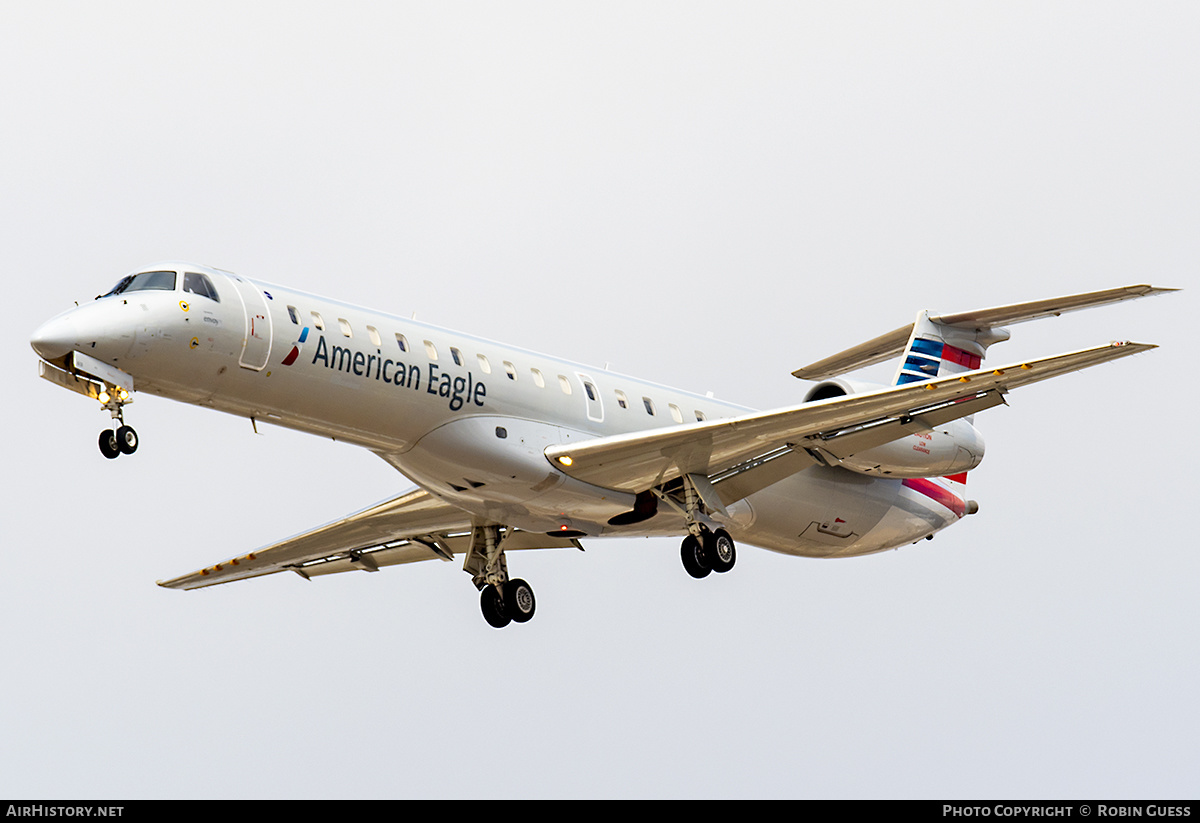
(466,418)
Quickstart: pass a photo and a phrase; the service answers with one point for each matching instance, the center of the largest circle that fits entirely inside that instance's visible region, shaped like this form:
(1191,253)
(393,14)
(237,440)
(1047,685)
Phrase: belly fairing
(832,512)
(496,467)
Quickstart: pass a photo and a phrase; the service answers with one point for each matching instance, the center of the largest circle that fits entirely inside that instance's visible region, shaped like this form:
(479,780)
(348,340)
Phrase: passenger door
(256,345)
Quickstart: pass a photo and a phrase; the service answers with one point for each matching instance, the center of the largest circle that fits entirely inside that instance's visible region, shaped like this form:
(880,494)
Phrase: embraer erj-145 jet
(514,450)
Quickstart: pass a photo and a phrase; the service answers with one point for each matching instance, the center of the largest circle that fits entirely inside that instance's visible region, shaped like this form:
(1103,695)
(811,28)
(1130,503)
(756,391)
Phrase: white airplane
(511,449)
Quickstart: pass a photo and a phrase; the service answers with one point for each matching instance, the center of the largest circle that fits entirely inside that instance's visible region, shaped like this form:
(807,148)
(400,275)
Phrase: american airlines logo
(295,352)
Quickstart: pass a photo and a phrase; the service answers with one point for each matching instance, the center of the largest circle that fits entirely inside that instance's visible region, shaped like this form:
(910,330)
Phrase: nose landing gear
(122,439)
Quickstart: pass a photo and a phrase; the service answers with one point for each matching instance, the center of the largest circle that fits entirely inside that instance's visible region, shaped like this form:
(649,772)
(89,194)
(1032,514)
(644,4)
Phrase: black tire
(492,605)
(519,602)
(127,440)
(720,550)
(695,559)
(108,444)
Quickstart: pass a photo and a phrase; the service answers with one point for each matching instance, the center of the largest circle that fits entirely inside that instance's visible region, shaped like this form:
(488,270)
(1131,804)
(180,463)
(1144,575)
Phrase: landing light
(103,397)
(566,460)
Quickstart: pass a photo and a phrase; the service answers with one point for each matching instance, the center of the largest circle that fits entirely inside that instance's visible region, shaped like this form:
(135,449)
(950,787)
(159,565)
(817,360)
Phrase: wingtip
(1149,290)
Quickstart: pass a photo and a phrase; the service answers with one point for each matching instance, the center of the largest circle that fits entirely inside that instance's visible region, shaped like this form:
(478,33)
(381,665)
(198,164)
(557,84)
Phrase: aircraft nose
(55,338)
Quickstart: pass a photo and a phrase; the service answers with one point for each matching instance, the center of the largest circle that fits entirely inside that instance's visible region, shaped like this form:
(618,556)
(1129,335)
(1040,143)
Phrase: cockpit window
(146,281)
(197,283)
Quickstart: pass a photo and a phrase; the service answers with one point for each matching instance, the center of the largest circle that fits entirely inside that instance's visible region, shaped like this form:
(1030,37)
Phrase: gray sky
(705,194)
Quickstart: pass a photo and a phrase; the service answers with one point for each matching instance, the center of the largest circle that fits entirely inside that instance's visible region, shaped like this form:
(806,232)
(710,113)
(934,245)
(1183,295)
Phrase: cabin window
(700,415)
(649,404)
(197,283)
(456,356)
(373,333)
(564,384)
(676,414)
(431,350)
(294,315)
(401,341)
(484,365)
(590,390)
(345,324)
(510,370)
(622,401)
(538,379)
(318,322)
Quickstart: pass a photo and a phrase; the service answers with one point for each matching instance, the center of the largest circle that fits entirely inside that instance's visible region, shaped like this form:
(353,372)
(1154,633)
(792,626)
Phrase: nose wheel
(114,443)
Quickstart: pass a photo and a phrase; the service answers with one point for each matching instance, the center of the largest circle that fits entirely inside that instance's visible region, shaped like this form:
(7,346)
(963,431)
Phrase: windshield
(201,285)
(146,281)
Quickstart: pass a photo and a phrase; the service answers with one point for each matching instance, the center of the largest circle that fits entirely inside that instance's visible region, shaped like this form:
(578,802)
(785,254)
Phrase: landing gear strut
(123,439)
(707,547)
(501,600)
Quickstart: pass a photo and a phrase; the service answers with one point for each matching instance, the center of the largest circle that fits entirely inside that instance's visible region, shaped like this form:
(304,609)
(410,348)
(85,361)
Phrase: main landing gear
(121,439)
(510,602)
(710,551)
(502,600)
(707,548)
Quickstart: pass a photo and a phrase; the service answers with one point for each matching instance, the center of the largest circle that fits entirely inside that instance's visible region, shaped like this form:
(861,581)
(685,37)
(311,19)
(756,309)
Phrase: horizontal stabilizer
(893,343)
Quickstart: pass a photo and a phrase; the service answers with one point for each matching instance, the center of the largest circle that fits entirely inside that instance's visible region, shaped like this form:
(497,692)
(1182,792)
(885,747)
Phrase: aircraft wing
(752,444)
(406,529)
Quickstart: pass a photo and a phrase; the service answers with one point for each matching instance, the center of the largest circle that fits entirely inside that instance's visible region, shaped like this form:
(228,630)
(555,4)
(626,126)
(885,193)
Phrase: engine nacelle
(951,448)
(839,387)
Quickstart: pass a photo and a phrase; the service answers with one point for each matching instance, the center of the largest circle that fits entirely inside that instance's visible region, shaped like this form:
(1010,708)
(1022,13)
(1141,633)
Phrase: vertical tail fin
(936,350)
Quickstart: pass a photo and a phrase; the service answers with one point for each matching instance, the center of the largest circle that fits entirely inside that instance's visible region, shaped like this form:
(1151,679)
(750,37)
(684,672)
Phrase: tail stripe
(925,357)
(962,358)
(938,494)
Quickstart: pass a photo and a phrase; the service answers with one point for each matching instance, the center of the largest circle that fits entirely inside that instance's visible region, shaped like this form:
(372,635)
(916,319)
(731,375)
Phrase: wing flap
(410,550)
(845,443)
(641,460)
